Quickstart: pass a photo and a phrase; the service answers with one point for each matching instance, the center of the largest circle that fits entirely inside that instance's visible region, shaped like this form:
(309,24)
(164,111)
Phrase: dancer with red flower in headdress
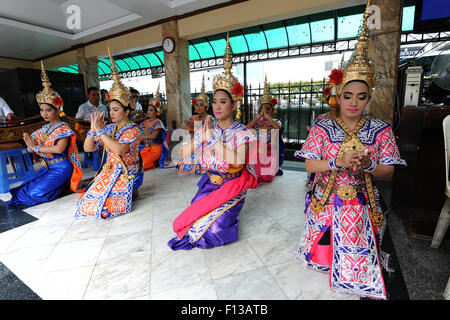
(201,103)
(269,132)
(156,150)
(226,150)
(55,142)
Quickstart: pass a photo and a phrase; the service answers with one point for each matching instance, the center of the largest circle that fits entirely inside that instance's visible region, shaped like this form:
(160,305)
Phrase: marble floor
(127,257)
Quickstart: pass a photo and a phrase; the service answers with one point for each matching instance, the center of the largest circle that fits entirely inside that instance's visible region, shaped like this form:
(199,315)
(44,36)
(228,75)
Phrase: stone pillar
(89,69)
(384,51)
(176,68)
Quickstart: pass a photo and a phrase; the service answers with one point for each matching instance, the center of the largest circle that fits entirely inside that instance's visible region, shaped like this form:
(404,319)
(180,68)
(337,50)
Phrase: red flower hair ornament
(57,101)
(238,89)
(335,76)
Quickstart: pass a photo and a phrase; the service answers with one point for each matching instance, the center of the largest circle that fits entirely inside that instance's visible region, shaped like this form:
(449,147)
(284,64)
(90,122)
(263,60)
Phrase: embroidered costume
(110,193)
(193,165)
(156,151)
(345,214)
(57,169)
(269,161)
(212,219)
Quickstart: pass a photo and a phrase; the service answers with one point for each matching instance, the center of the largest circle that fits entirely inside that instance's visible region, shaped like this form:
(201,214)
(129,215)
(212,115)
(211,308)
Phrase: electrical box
(414,77)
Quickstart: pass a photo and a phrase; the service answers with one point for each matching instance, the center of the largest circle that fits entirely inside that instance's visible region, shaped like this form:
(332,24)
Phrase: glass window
(408,18)
(238,44)
(322,30)
(349,26)
(219,46)
(255,39)
(277,38)
(205,50)
(298,34)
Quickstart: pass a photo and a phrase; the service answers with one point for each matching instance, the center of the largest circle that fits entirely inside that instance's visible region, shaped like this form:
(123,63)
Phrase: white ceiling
(30,30)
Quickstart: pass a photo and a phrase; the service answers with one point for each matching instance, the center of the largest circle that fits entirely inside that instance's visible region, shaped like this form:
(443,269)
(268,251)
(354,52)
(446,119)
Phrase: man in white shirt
(92,105)
(5,111)
(134,99)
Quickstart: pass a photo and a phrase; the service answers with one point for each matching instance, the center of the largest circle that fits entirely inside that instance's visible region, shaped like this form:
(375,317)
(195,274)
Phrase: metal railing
(297,102)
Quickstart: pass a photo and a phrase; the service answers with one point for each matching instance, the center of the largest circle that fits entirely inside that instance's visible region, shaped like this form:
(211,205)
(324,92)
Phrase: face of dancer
(117,112)
(151,113)
(49,113)
(267,109)
(200,108)
(354,99)
(223,105)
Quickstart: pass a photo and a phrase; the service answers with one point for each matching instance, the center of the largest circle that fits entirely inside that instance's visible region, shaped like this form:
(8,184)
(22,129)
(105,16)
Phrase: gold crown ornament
(48,95)
(202,95)
(266,97)
(155,101)
(118,91)
(226,81)
(359,66)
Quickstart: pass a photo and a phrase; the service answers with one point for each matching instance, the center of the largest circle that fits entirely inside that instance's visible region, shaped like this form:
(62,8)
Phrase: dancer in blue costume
(55,142)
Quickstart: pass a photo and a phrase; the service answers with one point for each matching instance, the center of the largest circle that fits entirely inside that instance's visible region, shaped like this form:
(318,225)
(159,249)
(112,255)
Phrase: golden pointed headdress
(202,95)
(48,95)
(118,91)
(226,81)
(359,67)
(266,97)
(155,101)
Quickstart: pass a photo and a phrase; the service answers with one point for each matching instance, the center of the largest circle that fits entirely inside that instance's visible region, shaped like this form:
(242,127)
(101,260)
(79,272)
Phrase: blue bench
(93,159)
(22,164)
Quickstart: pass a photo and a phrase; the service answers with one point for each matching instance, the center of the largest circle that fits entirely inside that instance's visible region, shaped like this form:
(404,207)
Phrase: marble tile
(274,248)
(251,285)
(26,262)
(203,290)
(8,238)
(180,268)
(230,259)
(36,236)
(62,285)
(289,217)
(86,229)
(256,221)
(120,279)
(299,283)
(74,254)
(130,245)
(135,221)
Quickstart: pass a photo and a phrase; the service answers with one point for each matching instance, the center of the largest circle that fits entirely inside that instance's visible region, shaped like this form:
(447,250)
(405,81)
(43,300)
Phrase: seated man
(5,111)
(92,105)
(134,99)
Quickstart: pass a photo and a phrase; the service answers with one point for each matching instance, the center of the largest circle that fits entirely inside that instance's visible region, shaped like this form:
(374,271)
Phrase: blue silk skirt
(223,229)
(45,185)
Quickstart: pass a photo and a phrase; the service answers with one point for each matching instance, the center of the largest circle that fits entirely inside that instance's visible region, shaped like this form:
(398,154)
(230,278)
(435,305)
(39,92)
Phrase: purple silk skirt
(223,230)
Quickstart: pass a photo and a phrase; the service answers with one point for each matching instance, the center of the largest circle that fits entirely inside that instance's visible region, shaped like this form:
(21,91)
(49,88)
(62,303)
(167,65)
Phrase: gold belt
(45,164)
(344,192)
(124,177)
(218,180)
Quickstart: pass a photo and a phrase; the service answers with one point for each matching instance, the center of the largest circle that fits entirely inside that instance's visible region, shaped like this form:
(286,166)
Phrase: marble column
(384,51)
(176,68)
(89,69)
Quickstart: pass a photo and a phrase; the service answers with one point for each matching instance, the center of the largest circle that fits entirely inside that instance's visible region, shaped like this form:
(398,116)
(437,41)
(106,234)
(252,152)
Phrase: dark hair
(228,94)
(362,81)
(103,91)
(132,90)
(154,107)
(49,104)
(91,88)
